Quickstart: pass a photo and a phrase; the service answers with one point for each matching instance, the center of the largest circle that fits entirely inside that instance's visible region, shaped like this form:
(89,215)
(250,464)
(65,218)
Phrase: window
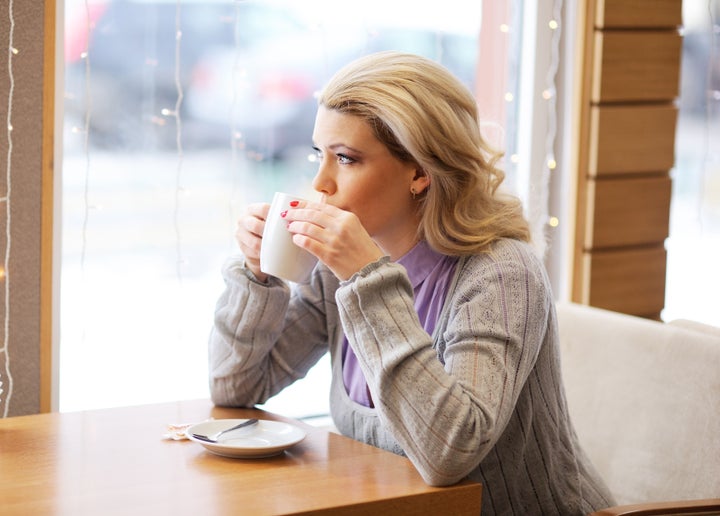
(177,114)
(694,243)
(151,192)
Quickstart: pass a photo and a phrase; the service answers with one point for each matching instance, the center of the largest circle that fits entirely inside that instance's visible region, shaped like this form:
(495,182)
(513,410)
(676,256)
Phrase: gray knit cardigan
(482,398)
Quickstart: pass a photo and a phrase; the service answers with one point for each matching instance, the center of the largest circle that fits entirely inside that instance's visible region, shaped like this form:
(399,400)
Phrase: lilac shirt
(430,274)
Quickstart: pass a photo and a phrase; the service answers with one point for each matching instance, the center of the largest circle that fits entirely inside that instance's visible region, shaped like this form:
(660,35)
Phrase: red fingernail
(283,213)
(293,204)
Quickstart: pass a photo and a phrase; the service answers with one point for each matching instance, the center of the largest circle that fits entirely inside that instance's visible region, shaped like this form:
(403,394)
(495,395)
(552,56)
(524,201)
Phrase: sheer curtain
(524,91)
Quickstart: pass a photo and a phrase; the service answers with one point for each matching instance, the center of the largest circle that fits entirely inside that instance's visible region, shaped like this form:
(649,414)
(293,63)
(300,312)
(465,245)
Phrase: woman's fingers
(248,235)
(323,217)
(258,210)
(335,236)
(251,224)
(323,223)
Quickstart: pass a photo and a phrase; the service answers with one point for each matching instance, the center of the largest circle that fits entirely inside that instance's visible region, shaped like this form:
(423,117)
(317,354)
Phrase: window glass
(177,114)
(694,243)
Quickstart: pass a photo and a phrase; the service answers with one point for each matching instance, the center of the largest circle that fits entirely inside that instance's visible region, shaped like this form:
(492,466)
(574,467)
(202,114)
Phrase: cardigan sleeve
(254,348)
(447,405)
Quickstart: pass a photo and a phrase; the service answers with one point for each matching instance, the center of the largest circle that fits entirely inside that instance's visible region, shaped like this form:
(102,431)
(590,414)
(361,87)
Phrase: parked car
(269,95)
(247,71)
(138,67)
(266,98)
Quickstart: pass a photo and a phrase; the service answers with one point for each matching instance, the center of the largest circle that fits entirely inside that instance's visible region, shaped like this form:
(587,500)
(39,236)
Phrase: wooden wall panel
(630,281)
(638,13)
(627,88)
(630,212)
(633,139)
(636,65)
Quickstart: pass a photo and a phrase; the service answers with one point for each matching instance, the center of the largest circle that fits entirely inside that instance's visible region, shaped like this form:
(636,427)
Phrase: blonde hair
(423,114)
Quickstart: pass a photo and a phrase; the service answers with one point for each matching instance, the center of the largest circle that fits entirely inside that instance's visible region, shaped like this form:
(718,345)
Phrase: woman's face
(357,173)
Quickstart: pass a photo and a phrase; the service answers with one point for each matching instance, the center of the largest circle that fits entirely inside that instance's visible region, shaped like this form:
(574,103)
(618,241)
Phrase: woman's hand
(336,237)
(249,236)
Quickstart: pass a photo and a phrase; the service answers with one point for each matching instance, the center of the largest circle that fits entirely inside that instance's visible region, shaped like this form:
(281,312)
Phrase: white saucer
(264,439)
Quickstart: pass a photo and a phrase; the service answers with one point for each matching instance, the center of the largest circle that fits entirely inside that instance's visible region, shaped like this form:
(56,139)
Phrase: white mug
(279,256)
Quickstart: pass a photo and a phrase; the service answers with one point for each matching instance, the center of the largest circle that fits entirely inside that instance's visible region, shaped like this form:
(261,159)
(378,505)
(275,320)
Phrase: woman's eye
(344,160)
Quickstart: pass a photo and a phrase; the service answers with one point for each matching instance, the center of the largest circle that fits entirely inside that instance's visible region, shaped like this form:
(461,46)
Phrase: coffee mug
(279,256)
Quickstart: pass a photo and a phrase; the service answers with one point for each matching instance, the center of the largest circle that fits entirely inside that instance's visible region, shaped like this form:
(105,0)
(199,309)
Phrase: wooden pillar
(629,86)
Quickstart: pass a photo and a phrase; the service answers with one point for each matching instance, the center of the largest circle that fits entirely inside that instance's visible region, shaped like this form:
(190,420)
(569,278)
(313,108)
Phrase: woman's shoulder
(505,261)
(507,251)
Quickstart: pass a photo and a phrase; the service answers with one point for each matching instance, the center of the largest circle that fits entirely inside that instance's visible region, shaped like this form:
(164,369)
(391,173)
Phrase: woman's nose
(323,182)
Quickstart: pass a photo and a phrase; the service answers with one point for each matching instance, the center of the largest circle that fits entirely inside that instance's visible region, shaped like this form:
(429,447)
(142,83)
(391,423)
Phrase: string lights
(550,92)
(237,142)
(712,105)
(85,131)
(538,162)
(178,142)
(6,199)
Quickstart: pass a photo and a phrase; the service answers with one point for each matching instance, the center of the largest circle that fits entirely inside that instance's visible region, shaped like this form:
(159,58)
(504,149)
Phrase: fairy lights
(534,158)
(5,277)
(179,191)
(549,95)
(712,87)
(85,131)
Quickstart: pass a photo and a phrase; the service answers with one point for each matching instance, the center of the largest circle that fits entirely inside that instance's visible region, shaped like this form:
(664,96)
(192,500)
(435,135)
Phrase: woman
(437,314)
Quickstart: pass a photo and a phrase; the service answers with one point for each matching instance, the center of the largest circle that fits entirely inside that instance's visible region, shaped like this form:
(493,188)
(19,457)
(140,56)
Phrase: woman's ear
(420,182)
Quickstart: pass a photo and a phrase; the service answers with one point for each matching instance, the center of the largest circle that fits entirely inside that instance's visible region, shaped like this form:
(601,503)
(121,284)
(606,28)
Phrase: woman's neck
(399,247)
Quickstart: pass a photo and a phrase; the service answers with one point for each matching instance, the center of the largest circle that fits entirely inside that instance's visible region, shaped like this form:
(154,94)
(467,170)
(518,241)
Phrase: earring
(412,191)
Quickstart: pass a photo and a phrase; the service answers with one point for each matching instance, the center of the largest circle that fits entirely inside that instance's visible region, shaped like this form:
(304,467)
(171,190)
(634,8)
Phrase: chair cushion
(696,326)
(644,397)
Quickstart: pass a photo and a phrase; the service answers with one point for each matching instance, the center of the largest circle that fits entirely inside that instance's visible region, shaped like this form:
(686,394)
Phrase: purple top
(430,274)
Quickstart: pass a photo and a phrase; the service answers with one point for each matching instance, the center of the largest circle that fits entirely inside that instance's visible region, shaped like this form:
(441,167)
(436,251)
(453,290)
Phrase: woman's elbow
(223,396)
(446,472)
(442,479)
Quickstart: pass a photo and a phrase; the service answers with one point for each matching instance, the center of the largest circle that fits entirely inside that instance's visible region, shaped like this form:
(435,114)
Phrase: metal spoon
(213,438)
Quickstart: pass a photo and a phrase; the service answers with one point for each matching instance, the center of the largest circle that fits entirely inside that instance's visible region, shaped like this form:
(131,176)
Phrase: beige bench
(644,397)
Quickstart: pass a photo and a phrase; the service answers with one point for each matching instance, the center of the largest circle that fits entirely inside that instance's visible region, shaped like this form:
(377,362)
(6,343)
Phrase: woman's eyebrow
(336,146)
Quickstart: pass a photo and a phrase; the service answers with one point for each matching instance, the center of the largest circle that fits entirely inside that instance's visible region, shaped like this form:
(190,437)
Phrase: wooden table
(115,461)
